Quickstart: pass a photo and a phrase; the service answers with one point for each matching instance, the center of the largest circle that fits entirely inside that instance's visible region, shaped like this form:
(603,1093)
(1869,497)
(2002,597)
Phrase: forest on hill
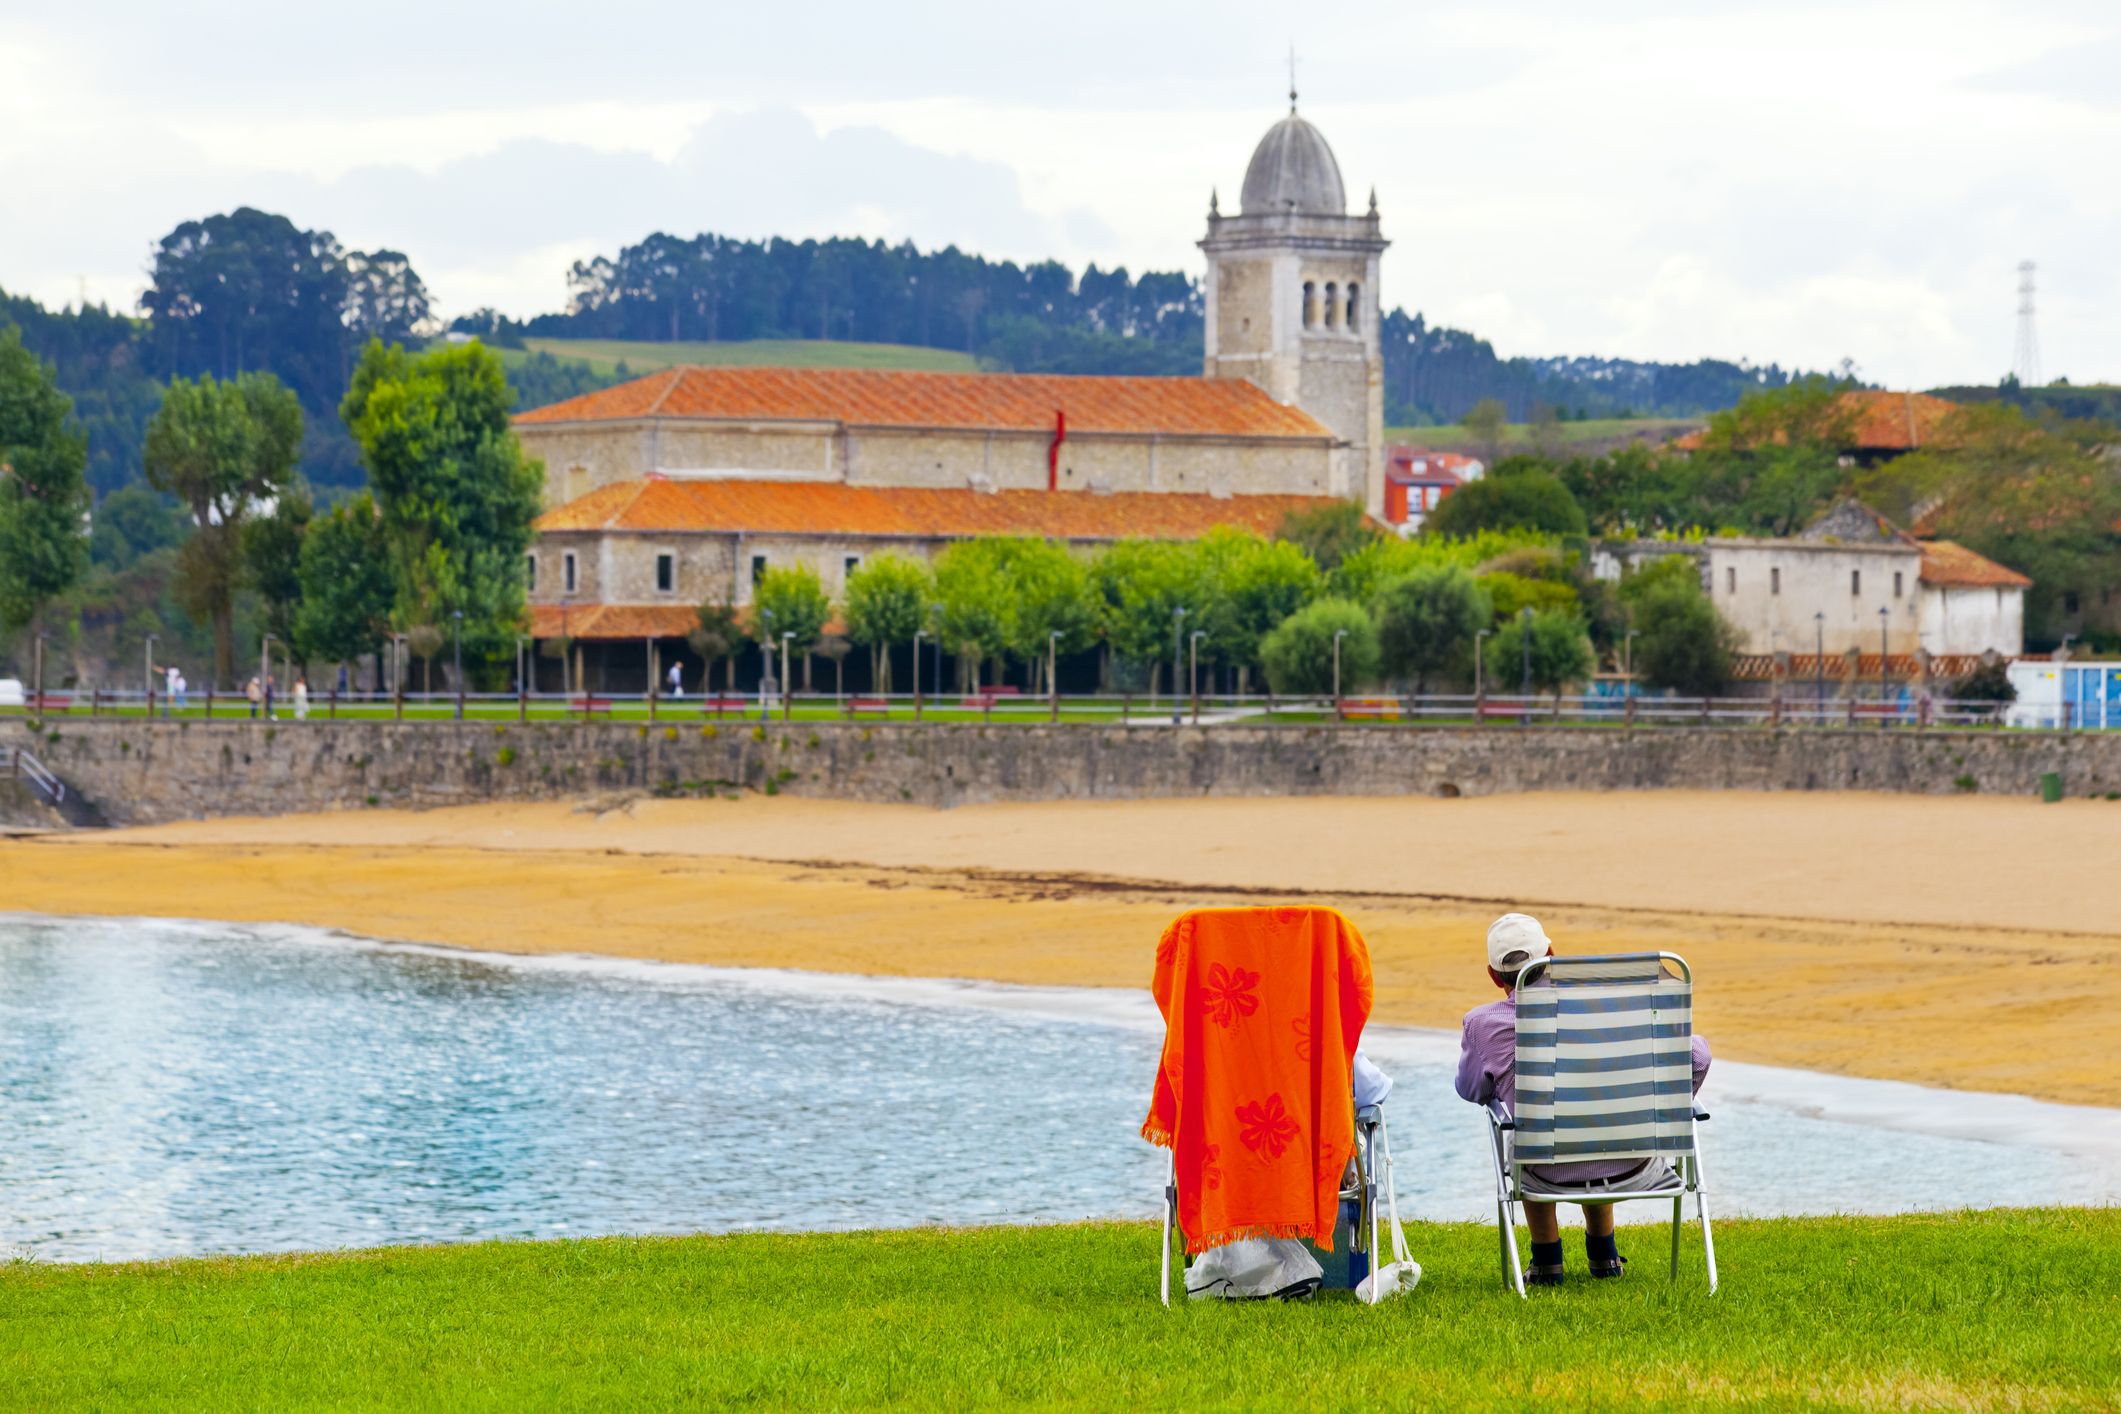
(249,291)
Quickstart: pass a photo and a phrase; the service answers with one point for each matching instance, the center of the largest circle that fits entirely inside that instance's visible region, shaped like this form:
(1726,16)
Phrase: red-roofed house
(1417,480)
(1881,424)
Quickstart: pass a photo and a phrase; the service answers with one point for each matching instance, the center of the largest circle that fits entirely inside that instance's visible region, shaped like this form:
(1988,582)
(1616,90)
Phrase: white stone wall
(1972,620)
(1771,591)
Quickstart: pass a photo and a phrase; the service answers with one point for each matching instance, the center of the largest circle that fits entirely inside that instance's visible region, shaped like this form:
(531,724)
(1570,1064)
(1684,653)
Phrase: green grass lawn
(1598,434)
(1985,1310)
(641,356)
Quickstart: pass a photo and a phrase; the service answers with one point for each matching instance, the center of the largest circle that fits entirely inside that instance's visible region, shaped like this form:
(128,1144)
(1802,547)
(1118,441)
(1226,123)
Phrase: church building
(690,483)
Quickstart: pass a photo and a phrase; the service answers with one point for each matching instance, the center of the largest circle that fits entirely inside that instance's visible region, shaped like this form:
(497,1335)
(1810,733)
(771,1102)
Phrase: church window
(567,572)
(530,573)
(666,573)
(1855,583)
(1332,305)
(1354,318)
(1310,305)
(758,569)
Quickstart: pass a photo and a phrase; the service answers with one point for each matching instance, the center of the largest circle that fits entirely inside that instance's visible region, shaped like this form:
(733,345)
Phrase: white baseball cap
(1514,940)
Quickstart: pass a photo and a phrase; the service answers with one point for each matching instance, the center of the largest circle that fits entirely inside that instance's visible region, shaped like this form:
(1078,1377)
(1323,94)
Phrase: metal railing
(1007,705)
(19,764)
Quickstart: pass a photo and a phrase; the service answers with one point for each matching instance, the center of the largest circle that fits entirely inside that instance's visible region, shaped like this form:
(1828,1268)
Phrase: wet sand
(1961,943)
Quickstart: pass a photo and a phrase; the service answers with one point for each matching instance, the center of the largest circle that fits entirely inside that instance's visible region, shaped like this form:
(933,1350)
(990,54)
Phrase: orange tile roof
(1879,420)
(1953,565)
(988,402)
(835,508)
(613,621)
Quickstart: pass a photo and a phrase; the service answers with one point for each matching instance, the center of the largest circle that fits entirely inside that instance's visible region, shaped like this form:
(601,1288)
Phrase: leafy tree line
(1250,611)
(223,542)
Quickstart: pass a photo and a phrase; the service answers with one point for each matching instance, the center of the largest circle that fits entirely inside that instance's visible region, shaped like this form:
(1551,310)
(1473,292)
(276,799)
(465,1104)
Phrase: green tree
(1426,622)
(1299,654)
(1526,500)
(1511,594)
(1682,643)
(718,636)
(886,603)
(221,448)
(1262,583)
(1142,584)
(1560,650)
(456,493)
(1049,592)
(1484,422)
(976,619)
(43,488)
(1329,533)
(343,570)
(272,562)
(789,604)
(130,524)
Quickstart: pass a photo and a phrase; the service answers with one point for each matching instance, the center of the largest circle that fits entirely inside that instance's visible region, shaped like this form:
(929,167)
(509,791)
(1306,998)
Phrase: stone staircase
(30,775)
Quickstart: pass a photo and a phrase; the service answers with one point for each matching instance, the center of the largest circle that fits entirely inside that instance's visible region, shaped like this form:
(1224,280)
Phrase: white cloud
(1652,178)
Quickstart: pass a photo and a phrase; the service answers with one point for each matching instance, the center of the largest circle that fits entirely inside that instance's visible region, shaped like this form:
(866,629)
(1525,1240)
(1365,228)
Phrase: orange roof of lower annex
(613,621)
(985,402)
(657,505)
(1952,565)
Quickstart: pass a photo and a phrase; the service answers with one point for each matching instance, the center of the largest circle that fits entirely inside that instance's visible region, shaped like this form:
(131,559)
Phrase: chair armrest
(1497,1118)
(1701,1114)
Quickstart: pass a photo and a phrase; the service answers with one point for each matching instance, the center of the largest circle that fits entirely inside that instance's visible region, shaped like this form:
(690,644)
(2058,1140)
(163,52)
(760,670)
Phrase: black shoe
(1536,1275)
(1617,1267)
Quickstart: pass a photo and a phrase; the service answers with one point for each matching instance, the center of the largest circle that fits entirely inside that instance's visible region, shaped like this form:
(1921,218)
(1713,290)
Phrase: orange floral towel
(1262,1009)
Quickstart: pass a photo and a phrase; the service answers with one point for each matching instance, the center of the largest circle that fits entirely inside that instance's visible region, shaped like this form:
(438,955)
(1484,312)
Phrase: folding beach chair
(1361,1224)
(1604,1071)
(1262,1009)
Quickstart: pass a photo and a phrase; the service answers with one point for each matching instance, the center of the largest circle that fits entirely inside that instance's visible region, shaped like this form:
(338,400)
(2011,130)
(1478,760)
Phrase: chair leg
(1170,1207)
(1506,1224)
(1708,1238)
(1677,1218)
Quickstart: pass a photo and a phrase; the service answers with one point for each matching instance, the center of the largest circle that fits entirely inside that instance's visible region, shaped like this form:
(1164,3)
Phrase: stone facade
(139,772)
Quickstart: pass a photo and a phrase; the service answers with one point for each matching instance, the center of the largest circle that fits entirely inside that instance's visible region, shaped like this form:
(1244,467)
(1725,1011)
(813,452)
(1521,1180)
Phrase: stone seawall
(139,772)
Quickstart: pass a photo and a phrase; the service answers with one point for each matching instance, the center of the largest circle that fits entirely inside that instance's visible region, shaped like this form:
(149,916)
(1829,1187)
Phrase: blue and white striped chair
(1604,1071)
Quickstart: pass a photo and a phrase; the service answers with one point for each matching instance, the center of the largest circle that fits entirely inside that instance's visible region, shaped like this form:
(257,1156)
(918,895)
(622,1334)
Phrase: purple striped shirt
(1487,1070)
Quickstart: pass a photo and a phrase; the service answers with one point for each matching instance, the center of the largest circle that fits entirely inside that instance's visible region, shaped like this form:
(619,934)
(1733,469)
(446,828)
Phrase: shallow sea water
(179,1088)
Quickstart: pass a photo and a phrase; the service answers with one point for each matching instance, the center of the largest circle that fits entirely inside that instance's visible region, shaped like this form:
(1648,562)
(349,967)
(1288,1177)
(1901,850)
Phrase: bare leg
(1544,1219)
(1597,1221)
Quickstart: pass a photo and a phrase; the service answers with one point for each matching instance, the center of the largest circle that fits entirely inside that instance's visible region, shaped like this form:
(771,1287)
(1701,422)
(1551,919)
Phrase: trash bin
(2051,786)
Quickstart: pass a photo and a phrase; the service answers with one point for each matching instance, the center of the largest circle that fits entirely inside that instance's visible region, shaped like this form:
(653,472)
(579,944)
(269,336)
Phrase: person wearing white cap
(1487,1061)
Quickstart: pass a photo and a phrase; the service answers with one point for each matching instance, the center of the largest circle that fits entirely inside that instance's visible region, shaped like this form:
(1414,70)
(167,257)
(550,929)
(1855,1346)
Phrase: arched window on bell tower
(1332,305)
(1353,321)
(1310,305)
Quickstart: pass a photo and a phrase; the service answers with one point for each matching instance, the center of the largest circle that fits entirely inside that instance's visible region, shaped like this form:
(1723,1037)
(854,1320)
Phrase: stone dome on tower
(1293,170)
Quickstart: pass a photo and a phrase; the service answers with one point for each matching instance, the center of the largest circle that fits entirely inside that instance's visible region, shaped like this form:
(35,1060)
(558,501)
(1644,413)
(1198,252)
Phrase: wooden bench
(868,707)
(1504,711)
(1373,709)
(49,703)
(588,706)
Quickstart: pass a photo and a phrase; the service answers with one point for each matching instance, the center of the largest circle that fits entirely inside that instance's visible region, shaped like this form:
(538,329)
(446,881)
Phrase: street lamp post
(523,662)
(1524,637)
(1627,659)
(1339,714)
(456,656)
(787,697)
(1885,684)
(397,676)
(918,635)
(1819,668)
(1193,670)
(1178,626)
(566,652)
(1480,677)
(150,667)
(265,672)
(1053,674)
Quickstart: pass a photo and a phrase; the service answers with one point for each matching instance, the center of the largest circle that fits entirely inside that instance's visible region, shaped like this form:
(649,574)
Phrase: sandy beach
(1963,943)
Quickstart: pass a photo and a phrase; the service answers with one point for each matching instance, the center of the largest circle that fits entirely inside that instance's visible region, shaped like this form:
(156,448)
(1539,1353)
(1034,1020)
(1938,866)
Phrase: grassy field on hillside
(1985,1310)
(1592,436)
(642,357)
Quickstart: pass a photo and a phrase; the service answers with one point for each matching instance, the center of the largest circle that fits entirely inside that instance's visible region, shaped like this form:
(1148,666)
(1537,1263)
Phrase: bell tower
(1292,302)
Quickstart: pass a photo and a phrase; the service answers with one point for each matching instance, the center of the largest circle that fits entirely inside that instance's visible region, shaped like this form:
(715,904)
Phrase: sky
(1784,182)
